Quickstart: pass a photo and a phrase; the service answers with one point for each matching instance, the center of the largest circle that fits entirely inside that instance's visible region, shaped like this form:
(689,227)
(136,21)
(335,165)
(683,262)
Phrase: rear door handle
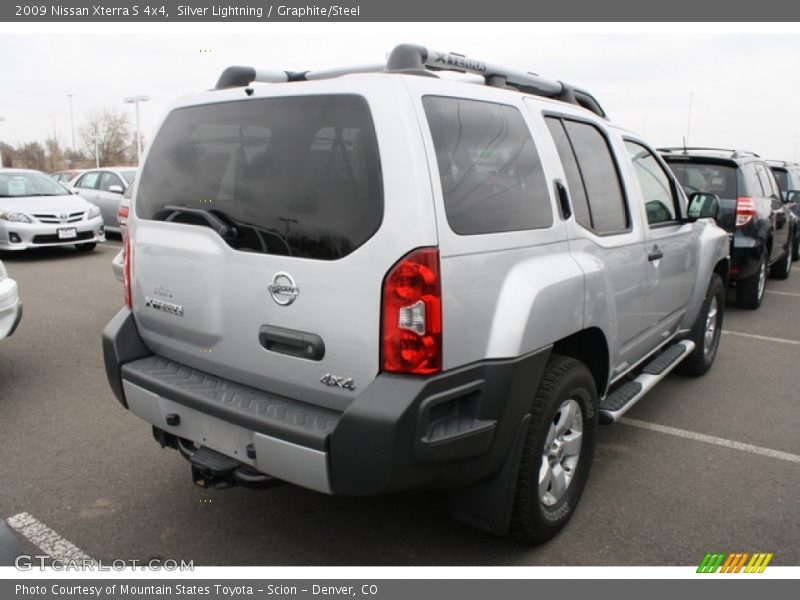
(289,341)
(655,254)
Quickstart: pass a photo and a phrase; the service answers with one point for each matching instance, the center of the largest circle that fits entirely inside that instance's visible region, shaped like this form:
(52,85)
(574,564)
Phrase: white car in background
(104,188)
(10,306)
(37,211)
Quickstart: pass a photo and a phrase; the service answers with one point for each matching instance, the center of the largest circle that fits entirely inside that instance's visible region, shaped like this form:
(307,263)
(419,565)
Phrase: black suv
(752,211)
(788,176)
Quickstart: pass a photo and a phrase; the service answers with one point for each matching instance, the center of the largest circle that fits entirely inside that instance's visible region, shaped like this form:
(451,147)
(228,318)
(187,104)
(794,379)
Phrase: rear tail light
(412,315)
(745,210)
(122,216)
(126,272)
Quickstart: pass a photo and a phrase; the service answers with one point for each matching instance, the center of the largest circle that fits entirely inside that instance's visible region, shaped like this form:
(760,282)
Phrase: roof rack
(410,58)
(686,149)
(782,163)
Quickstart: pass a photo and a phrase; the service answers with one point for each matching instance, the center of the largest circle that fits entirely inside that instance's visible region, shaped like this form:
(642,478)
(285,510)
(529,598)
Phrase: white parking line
(710,439)
(762,337)
(46,539)
(783,293)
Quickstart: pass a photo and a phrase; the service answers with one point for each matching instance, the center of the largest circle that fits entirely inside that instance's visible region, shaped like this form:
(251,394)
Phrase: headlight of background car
(16,217)
(93,212)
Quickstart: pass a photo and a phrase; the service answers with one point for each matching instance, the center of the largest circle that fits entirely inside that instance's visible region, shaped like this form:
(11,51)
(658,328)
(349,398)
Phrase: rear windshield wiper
(221,227)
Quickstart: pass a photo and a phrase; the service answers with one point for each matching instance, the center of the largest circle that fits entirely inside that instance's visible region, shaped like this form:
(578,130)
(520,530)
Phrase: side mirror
(793,196)
(115,189)
(703,206)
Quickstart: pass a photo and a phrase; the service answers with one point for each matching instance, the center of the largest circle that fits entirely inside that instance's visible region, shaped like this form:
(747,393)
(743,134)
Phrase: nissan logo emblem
(283,289)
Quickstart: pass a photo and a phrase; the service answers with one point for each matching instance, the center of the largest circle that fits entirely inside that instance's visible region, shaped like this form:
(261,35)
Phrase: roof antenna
(688,120)
(685,151)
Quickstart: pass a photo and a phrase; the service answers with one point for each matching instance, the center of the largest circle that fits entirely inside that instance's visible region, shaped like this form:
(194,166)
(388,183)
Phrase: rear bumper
(444,432)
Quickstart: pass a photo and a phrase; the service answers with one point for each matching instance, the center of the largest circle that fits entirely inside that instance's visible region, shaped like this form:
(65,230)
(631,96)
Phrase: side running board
(618,402)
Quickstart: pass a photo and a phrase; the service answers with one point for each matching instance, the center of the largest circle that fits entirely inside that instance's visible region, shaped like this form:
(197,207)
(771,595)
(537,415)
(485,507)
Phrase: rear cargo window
(705,177)
(492,177)
(298,176)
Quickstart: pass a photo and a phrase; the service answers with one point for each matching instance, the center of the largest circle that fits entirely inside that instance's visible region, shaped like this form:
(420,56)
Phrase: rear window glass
(705,177)
(297,176)
(491,175)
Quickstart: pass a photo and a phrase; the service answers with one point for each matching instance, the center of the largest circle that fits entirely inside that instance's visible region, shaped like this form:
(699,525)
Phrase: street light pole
(136,100)
(72,122)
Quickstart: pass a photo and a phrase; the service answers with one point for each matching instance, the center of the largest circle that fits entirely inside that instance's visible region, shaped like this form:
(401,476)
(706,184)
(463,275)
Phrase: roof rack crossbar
(413,58)
(410,58)
(734,153)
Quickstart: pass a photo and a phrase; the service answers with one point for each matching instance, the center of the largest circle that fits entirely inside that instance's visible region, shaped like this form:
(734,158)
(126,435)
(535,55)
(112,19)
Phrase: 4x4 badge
(283,289)
(340,382)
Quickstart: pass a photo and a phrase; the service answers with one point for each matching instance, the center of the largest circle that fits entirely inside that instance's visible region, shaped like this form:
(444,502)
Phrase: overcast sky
(744,89)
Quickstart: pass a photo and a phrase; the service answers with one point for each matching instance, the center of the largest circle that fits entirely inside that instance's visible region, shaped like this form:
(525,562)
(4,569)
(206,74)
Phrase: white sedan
(10,306)
(37,211)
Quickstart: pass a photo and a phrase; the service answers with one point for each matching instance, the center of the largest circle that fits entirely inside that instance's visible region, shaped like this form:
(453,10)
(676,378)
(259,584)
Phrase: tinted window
(705,177)
(89,180)
(654,183)
(600,177)
(783,178)
(571,171)
(768,183)
(296,175)
(491,174)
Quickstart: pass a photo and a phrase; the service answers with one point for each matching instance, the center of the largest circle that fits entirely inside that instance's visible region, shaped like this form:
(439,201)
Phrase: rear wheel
(782,268)
(750,291)
(558,451)
(86,247)
(707,330)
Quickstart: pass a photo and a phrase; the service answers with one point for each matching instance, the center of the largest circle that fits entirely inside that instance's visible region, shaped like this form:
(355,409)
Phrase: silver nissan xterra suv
(378,279)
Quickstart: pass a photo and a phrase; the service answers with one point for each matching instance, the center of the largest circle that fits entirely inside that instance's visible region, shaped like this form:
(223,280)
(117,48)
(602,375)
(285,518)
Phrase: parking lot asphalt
(699,465)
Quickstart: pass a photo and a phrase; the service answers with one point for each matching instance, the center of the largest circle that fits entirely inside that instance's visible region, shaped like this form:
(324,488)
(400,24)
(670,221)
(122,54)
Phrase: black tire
(749,293)
(782,268)
(565,380)
(796,246)
(705,349)
(87,247)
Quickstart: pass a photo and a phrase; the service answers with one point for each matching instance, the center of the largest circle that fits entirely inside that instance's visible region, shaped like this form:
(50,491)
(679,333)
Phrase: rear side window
(592,175)
(491,174)
(89,180)
(709,178)
(783,178)
(298,176)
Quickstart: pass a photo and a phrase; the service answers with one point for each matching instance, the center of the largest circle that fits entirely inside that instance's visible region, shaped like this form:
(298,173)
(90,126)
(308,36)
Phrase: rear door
(779,213)
(109,194)
(261,237)
(86,185)
(671,251)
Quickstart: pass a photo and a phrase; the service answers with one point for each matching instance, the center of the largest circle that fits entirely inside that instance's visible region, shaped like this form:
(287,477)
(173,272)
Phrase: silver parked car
(37,211)
(364,283)
(10,305)
(104,188)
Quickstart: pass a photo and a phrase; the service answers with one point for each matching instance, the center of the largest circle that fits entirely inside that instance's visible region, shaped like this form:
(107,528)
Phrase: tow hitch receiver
(210,469)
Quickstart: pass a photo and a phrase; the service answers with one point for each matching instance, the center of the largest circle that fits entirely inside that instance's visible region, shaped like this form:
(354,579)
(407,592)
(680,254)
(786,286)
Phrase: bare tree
(55,155)
(109,132)
(31,156)
(8,153)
